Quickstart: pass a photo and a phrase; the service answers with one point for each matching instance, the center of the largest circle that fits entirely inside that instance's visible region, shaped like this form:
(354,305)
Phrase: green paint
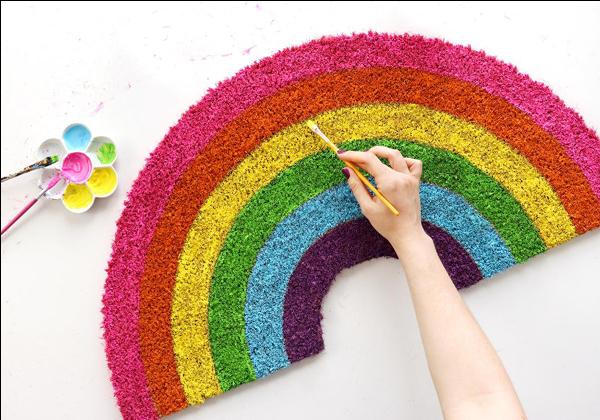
(305,180)
(107,153)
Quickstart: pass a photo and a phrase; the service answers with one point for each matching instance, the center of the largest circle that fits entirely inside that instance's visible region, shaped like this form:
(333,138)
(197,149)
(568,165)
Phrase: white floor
(129,70)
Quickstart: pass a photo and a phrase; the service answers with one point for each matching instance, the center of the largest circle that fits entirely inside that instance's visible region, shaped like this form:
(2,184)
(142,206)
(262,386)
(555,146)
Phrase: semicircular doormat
(240,220)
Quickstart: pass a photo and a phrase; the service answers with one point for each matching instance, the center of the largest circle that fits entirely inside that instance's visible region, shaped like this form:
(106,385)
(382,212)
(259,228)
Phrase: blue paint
(286,246)
(77,137)
(464,223)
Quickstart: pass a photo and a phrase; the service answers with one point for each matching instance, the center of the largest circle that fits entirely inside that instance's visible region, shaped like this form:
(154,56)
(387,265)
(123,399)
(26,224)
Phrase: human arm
(468,375)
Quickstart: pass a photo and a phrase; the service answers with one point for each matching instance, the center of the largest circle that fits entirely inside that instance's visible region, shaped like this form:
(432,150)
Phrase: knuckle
(388,184)
(372,157)
(361,157)
(413,182)
(379,150)
(400,182)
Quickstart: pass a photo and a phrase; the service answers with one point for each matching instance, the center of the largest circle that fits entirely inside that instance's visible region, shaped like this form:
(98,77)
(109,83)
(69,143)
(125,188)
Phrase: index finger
(397,161)
(366,160)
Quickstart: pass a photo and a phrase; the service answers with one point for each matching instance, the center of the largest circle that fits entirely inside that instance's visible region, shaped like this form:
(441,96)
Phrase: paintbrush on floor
(37,165)
(29,205)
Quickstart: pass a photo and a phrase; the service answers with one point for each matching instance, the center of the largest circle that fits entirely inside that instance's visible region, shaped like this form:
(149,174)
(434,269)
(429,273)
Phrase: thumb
(358,190)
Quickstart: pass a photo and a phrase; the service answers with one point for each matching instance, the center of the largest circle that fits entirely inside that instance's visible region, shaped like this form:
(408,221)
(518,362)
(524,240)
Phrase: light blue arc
(285,247)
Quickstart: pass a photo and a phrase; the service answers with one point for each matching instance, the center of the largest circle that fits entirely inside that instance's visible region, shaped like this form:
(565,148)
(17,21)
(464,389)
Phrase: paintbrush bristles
(312,125)
(315,129)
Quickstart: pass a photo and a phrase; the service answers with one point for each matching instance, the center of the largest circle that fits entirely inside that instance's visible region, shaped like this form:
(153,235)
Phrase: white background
(129,70)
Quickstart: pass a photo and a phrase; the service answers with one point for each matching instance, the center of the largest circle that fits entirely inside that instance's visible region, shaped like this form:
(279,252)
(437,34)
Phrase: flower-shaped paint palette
(86,165)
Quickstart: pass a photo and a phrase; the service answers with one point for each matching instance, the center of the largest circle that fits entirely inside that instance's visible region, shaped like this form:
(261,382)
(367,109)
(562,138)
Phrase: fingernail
(340,151)
(346,172)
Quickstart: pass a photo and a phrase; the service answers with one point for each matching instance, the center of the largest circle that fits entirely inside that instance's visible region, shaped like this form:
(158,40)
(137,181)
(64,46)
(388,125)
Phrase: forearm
(465,368)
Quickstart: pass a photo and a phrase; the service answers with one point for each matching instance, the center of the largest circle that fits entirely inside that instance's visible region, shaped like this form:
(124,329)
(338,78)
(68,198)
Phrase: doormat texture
(240,220)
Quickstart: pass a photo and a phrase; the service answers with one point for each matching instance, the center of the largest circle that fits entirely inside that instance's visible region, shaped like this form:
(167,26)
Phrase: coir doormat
(240,220)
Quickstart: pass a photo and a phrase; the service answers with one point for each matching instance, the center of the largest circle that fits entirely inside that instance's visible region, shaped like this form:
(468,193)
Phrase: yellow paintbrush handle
(375,191)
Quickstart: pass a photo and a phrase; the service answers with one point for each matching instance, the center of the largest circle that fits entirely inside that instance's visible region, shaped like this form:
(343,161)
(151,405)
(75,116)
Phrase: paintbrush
(37,165)
(29,205)
(315,128)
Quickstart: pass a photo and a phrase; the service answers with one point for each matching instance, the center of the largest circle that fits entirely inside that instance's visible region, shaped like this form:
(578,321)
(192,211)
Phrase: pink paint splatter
(247,50)
(99,107)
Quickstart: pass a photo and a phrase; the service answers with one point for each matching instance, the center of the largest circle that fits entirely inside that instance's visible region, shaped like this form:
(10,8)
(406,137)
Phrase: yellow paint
(77,197)
(407,121)
(103,181)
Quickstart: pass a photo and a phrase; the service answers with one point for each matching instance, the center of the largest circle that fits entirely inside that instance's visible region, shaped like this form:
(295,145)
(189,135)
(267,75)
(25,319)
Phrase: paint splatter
(98,108)
(247,50)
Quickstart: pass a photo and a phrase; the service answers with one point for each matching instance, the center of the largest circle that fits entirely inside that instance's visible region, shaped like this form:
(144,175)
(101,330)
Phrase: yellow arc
(400,121)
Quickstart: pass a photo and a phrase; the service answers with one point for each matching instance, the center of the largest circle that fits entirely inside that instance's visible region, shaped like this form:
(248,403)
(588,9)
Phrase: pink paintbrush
(29,205)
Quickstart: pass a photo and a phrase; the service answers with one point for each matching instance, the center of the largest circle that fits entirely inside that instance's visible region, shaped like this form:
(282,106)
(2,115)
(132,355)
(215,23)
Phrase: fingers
(397,161)
(366,160)
(415,167)
(370,162)
(358,190)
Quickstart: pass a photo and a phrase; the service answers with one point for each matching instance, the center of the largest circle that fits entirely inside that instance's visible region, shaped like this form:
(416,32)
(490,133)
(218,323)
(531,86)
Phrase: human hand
(398,183)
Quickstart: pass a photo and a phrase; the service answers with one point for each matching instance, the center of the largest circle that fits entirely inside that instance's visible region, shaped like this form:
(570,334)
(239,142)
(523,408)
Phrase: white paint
(129,70)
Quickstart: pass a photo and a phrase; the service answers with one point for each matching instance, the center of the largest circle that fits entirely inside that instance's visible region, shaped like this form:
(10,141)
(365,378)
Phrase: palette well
(86,165)
(240,221)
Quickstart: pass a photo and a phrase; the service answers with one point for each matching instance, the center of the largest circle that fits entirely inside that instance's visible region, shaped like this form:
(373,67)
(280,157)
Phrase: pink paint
(150,192)
(53,182)
(98,108)
(77,167)
(247,50)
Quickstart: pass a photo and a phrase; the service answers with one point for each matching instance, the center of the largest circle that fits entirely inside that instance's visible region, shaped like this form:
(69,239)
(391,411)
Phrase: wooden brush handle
(375,191)
(18,216)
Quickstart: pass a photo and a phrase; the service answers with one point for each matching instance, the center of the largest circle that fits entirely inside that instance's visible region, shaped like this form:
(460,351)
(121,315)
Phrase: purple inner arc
(342,247)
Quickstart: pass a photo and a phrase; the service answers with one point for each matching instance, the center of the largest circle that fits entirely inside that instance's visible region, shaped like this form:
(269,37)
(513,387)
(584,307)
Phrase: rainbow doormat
(240,220)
